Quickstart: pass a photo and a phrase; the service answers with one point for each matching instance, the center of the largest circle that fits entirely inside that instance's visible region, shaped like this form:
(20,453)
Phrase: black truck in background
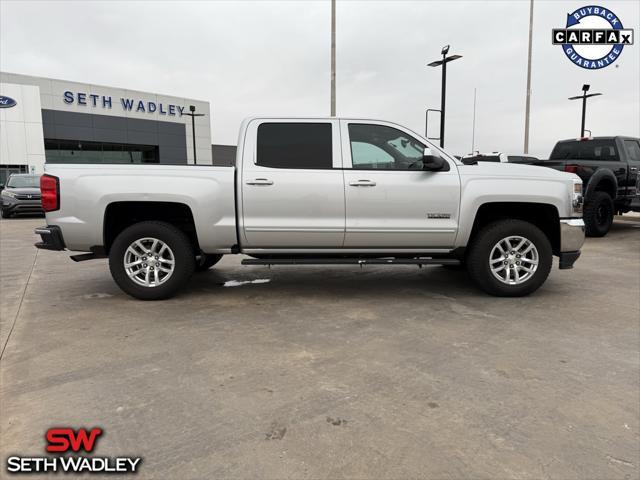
(609,169)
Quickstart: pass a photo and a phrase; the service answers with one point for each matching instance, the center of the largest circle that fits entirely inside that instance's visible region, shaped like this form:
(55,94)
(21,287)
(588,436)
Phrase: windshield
(24,181)
(585,150)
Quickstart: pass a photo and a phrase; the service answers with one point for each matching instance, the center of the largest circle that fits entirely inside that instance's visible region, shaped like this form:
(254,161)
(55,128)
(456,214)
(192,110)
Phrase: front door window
(378,147)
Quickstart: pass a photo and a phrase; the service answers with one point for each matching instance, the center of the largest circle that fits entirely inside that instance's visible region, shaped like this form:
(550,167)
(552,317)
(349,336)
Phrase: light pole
(193,115)
(473,128)
(437,63)
(528,101)
(584,96)
(333,58)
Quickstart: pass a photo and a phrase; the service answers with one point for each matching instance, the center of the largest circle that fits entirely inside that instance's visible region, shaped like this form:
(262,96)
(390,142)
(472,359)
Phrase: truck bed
(88,189)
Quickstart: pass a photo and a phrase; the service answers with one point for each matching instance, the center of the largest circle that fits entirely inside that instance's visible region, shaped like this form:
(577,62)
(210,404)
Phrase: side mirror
(432,162)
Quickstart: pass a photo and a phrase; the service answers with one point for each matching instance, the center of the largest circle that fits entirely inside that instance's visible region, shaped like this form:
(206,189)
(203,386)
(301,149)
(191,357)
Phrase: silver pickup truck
(317,191)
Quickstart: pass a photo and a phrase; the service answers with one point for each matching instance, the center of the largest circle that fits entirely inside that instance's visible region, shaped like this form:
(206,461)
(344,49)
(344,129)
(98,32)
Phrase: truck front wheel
(151,260)
(598,214)
(510,258)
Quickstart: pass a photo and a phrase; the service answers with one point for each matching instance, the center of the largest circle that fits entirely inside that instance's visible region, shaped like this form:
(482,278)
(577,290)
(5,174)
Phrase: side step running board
(81,257)
(350,261)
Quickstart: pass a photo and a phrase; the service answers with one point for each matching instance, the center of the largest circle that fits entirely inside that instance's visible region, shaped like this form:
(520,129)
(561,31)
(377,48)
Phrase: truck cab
(357,185)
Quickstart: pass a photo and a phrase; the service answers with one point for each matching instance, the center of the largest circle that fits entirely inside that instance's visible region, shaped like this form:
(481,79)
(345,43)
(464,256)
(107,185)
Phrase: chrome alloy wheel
(514,260)
(149,262)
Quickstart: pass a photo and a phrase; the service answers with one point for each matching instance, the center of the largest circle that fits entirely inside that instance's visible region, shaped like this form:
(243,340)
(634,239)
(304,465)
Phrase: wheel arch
(545,216)
(120,215)
(603,180)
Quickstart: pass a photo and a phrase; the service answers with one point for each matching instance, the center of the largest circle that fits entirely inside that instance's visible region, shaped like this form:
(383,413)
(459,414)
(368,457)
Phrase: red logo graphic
(65,439)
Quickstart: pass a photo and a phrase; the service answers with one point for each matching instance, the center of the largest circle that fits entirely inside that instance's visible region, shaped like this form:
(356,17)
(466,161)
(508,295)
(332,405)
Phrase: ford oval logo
(7,102)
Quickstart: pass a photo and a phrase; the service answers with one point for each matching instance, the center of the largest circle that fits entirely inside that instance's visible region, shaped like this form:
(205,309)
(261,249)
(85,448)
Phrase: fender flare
(596,178)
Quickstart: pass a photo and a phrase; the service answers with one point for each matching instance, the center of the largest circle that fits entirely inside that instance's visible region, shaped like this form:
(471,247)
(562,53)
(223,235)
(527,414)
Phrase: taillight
(50,192)
(571,168)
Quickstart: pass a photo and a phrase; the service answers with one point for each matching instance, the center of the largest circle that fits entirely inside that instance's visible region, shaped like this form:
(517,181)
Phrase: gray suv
(21,195)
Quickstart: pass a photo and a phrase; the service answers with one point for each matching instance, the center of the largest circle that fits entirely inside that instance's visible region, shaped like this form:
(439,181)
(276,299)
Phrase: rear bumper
(571,234)
(51,238)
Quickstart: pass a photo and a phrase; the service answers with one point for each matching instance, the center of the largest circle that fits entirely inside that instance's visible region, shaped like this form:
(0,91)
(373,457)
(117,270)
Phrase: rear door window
(295,145)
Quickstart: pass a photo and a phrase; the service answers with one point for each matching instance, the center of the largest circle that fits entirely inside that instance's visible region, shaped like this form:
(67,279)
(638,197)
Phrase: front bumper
(17,206)
(51,238)
(571,240)
(571,234)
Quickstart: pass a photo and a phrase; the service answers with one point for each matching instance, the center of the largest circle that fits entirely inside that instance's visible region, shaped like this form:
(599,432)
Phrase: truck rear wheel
(598,214)
(510,258)
(151,260)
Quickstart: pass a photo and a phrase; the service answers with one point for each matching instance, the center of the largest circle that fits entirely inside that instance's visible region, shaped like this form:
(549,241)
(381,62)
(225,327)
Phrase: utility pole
(528,103)
(193,115)
(333,58)
(443,93)
(584,96)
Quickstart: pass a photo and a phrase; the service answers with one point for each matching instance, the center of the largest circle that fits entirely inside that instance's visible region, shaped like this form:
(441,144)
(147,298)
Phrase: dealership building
(57,121)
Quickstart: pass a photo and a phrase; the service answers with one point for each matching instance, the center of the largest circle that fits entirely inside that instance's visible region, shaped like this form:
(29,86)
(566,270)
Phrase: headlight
(577,199)
(9,193)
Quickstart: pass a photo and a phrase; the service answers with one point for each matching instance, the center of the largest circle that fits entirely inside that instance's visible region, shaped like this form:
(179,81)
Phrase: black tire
(175,239)
(479,255)
(598,214)
(4,213)
(205,262)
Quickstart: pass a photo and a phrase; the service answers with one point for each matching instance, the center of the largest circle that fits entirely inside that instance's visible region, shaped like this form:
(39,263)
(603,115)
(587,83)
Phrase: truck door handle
(363,183)
(634,169)
(260,181)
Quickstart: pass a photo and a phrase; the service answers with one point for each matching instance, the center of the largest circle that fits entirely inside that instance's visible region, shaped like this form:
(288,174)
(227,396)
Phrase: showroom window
(295,145)
(70,151)
(7,170)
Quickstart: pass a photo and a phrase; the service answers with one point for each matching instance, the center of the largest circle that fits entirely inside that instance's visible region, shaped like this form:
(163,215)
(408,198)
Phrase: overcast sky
(268,57)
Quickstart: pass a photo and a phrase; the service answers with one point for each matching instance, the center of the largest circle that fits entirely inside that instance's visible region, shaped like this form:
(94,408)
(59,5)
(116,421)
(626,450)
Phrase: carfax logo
(67,442)
(593,37)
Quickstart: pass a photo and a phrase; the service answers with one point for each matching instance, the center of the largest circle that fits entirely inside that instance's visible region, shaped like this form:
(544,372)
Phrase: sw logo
(67,440)
(593,37)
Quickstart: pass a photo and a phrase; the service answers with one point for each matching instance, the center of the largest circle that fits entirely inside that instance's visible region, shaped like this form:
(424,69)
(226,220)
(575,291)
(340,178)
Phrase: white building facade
(56,121)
